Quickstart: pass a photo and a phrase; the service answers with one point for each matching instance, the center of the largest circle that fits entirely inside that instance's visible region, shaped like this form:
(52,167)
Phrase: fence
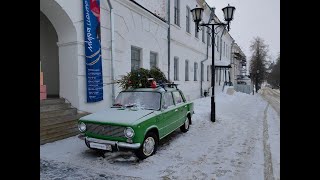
(243,88)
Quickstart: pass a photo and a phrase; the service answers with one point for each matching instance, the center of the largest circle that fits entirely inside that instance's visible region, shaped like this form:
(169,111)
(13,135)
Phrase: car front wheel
(149,146)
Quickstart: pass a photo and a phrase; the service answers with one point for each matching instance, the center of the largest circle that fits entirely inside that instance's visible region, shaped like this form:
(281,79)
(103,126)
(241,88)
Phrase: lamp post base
(213,109)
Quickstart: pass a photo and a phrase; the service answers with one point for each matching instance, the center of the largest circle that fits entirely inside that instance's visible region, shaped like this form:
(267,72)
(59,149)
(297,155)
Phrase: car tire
(149,146)
(185,126)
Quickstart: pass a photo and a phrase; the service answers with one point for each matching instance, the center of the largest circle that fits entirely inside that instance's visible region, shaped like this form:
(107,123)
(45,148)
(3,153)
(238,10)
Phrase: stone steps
(58,120)
(52,101)
(55,121)
(58,113)
(54,107)
(59,136)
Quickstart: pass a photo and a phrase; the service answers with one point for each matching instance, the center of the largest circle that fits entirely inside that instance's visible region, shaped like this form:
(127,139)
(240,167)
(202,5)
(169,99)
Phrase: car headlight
(129,132)
(82,127)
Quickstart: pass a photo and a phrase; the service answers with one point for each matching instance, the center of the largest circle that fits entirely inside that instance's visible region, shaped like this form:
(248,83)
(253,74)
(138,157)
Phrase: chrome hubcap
(186,124)
(148,146)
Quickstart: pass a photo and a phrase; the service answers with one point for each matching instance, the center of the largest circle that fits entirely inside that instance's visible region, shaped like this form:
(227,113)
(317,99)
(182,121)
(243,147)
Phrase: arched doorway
(63,38)
(49,56)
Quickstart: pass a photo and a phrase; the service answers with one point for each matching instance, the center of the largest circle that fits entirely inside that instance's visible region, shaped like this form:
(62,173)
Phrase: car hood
(117,116)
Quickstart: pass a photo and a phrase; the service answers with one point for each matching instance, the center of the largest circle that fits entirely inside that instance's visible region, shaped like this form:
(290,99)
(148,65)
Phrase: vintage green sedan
(137,121)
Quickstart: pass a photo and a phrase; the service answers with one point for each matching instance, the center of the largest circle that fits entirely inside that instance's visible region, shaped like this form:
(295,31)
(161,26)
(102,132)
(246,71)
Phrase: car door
(167,117)
(181,108)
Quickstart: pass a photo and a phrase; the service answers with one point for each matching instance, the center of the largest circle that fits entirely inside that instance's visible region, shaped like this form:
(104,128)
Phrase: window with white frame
(188,19)
(176,69)
(177,12)
(195,71)
(135,58)
(187,70)
(153,60)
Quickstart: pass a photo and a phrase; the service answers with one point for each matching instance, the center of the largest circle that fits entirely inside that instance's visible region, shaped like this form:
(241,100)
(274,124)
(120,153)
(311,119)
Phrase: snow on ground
(233,147)
(274,140)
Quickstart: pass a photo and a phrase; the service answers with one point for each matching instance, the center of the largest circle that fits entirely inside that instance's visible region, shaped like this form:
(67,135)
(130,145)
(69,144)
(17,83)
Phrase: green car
(137,121)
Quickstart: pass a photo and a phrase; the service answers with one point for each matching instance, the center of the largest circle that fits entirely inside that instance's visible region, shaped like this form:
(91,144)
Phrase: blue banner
(92,37)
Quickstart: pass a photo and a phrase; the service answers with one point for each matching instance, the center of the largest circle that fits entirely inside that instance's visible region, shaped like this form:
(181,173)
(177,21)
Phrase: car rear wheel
(185,127)
(149,146)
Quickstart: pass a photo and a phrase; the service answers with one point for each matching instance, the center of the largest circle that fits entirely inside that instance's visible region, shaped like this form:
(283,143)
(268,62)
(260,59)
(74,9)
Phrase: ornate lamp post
(197,17)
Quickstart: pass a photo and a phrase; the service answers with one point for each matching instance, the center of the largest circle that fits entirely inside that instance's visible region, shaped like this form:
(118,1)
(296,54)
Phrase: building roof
(148,10)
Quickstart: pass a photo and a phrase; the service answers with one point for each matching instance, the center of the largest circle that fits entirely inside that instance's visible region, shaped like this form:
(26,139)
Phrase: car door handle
(185,106)
(176,110)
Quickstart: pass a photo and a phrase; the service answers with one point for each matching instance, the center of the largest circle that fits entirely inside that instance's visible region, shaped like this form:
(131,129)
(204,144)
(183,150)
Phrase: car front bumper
(112,143)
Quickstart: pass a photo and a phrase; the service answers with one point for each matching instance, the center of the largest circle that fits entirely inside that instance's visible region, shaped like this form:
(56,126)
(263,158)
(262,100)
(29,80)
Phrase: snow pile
(230,148)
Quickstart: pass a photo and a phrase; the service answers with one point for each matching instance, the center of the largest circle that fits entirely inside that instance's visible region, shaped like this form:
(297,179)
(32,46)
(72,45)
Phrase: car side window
(177,97)
(168,100)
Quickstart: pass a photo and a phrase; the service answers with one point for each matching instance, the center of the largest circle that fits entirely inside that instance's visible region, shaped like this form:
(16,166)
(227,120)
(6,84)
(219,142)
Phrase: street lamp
(197,17)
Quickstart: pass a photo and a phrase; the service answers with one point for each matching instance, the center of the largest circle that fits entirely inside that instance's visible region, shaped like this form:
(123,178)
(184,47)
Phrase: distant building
(239,63)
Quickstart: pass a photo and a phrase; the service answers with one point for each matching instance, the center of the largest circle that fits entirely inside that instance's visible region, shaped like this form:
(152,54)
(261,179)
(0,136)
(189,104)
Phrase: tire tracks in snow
(272,99)
(268,169)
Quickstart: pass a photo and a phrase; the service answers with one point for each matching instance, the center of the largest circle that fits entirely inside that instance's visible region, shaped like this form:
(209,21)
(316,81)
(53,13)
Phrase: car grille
(106,130)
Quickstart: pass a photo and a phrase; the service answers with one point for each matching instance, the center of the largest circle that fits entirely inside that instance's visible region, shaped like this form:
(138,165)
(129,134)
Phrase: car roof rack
(168,85)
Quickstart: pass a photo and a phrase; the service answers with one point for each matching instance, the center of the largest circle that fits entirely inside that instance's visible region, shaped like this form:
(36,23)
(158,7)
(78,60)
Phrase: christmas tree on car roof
(142,78)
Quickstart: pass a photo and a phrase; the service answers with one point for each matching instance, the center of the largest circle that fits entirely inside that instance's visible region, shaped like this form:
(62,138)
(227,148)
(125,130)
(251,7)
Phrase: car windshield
(142,100)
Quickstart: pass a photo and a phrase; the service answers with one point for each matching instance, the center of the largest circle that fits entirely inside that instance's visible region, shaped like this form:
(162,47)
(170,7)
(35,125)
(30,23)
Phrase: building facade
(134,34)
(239,63)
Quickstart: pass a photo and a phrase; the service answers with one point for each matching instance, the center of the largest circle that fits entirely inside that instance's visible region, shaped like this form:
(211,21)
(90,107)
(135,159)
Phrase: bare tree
(258,61)
(274,76)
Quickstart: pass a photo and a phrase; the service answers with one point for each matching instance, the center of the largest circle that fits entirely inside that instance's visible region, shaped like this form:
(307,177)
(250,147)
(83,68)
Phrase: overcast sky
(253,18)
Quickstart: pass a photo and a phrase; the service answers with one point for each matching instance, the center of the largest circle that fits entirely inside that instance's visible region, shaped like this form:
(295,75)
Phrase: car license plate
(101,146)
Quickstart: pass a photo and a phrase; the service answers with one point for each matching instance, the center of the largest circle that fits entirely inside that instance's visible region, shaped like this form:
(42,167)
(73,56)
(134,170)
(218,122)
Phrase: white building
(239,62)
(140,32)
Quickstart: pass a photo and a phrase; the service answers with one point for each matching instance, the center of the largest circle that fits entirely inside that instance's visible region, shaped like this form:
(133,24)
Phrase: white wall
(134,26)
(186,46)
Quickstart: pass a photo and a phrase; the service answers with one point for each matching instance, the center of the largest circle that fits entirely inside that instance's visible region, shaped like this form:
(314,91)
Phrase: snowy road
(244,143)
(272,96)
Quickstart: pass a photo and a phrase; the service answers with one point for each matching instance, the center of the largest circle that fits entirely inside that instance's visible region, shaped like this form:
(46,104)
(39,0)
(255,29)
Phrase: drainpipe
(112,51)
(169,39)
(207,55)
